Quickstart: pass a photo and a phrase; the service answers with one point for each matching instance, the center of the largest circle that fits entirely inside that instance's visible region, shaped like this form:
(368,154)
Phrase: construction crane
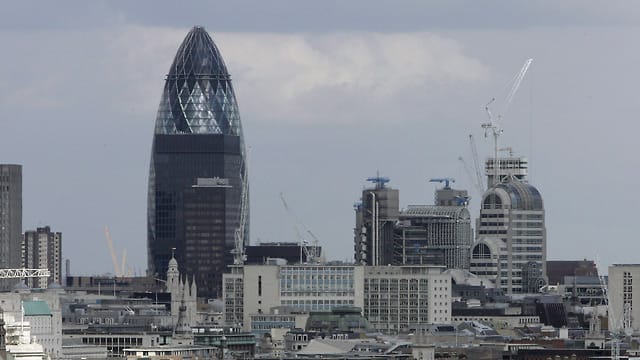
(507,149)
(23,273)
(310,249)
(379,181)
(619,326)
(477,186)
(446,181)
(238,249)
(493,126)
(120,269)
(476,162)
(114,258)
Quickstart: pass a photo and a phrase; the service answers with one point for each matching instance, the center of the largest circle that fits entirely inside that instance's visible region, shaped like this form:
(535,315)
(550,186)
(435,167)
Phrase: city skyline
(325,105)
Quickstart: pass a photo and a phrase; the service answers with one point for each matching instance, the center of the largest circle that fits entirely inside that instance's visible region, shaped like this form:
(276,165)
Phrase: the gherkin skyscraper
(198,194)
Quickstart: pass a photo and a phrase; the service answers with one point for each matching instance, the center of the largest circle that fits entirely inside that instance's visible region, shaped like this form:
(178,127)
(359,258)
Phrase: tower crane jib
(493,126)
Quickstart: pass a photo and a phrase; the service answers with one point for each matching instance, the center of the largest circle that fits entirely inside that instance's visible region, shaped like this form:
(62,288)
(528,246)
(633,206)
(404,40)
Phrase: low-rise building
(41,309)
(392,297)
(255,289)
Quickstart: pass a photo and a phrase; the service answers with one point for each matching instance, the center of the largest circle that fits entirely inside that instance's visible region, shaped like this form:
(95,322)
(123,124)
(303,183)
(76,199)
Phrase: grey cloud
(319,16)
(79,115)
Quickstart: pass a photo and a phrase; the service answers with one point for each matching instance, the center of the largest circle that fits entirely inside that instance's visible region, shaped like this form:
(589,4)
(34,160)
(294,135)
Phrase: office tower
(624,315)
(511,246)
(198,188)
(433,235)
(42,249)
(10,217)
(375,219)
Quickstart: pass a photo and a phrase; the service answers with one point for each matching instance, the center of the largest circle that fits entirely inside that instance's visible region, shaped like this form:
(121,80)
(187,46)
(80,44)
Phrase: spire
(182,332)
(173,274)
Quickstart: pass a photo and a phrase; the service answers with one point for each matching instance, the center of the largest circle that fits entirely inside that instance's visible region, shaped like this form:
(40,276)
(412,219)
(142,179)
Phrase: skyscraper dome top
(198,55)
(514,194)
(198,97)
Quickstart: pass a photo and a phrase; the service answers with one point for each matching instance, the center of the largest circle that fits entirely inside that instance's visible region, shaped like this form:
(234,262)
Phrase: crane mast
(238,249)
(310,249)
(493,126)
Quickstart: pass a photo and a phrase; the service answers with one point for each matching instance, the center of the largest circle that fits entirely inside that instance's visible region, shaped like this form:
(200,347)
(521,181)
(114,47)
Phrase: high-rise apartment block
(198,199)
(42,249)
(10,216)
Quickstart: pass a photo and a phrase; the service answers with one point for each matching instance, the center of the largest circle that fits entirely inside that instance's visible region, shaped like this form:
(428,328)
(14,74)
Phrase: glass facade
(198,191)
(435,235)
(316,288)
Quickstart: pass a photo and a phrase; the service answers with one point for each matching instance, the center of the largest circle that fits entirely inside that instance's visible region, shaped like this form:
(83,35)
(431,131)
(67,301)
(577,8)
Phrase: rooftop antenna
(493,126)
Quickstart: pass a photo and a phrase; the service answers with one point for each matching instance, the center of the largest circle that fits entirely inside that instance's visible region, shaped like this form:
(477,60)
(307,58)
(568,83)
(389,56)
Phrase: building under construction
(434,235)
(376,217)
(418,235)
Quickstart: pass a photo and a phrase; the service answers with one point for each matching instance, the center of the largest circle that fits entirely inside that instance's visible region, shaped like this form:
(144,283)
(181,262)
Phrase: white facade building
(41,309)
(302,287)
(394,296)
(624,297)
(181,290)
(512,246)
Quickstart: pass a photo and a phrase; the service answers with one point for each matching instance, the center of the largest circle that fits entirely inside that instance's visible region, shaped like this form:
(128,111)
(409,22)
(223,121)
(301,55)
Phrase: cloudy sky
(330,92)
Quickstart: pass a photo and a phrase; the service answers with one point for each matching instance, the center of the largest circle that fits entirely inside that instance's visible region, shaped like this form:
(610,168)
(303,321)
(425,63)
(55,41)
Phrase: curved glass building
(198,191)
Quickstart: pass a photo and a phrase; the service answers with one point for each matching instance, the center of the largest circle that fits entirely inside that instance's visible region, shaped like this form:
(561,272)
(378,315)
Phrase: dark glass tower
(198,190)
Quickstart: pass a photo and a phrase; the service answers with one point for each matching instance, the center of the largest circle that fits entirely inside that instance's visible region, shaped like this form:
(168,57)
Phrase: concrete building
(376,216)
(578,279)
(255,289)
(486,255)
(198,198)
(433,235)
(397,297)
(624,297)
(394,296)
(516,167)
(293,253)
(42,249)
(10,219)
(41,310)
(17,342)
(512,237)
(418,235)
